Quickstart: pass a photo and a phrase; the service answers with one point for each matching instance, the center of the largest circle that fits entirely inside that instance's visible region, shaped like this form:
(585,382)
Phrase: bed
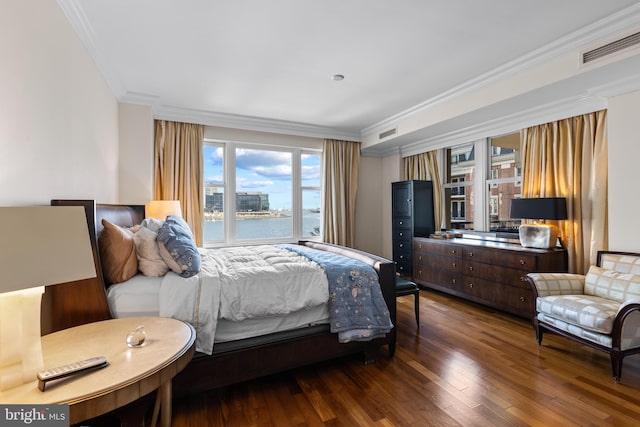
(284,342)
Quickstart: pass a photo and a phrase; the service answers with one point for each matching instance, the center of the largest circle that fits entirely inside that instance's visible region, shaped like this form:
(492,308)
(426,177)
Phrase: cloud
(268,164)
(311,172)
(216,179)
(245,184)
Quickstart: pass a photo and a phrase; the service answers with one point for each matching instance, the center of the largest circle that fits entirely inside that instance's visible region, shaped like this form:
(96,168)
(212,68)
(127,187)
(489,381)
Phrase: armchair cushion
(611,284)
(576,331)
(586,311)
(557,283)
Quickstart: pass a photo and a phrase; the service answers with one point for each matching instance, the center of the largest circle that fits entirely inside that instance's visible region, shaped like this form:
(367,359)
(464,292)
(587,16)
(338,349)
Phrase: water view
(262,228)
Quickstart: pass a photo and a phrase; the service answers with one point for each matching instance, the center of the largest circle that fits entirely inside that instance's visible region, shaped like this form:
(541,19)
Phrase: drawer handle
(401,222)
(522,262)
(471,268)
(522,279)
(419,257)
(401,256)
(453,264)
(470,253)
(453,251)
(401,233)
(453,281)
(471,285)
(522,299)
(401,245)
(419,245)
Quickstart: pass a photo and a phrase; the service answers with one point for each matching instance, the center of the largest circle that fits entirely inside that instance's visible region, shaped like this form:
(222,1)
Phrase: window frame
(230,189)
(480,186)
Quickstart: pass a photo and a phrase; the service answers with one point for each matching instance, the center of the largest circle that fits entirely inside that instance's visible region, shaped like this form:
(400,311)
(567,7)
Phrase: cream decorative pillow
(612,284)
(117,253)
(150,263)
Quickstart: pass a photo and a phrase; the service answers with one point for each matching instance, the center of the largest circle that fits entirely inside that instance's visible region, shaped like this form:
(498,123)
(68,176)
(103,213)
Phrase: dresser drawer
(402,222)
(439,279)
(437,262)
(437,247)
(520,260)
(513,299)
(495,273)
(402,234)
(401,244)
(402,255)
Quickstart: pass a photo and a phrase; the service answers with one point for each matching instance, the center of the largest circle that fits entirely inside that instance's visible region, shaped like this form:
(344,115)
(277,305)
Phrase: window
(482,178)
(505,181)
(214,186)
(259,193)
(459,186)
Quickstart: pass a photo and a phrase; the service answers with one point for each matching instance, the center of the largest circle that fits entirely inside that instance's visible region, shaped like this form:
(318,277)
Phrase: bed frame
(75,303)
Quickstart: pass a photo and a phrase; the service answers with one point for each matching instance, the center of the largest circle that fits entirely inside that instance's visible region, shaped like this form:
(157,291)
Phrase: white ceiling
(273,60)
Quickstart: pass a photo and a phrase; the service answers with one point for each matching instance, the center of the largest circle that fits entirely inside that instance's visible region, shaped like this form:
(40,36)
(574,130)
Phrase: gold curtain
(340,163)
(426,166)
(568,158)
(179,170)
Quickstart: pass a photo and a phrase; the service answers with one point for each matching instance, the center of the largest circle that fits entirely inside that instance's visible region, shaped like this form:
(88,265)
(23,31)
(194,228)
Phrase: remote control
(70,369)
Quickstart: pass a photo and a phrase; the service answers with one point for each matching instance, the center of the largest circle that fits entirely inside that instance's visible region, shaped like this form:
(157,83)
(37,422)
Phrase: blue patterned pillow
(177,247)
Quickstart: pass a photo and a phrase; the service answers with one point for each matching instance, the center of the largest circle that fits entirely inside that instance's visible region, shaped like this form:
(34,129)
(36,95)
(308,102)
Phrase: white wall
(136,154)
(624,156)
(369,204)
(391,170)
(58,117)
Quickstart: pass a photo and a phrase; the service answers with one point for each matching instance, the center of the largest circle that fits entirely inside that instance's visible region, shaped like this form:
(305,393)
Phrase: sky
(265,171)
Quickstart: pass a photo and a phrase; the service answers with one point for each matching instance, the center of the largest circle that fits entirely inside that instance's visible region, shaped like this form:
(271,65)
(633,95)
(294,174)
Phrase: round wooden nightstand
(131,374)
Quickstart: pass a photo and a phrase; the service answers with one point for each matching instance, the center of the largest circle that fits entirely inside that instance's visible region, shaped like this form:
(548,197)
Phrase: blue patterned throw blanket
(357,310)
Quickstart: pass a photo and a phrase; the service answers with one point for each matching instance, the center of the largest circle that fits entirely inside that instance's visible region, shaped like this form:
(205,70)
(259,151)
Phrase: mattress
(139,296)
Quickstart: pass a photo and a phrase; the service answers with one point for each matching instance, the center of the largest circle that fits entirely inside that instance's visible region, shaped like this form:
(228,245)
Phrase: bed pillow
(117,253)
(152,224)
(150,263)
(178,248)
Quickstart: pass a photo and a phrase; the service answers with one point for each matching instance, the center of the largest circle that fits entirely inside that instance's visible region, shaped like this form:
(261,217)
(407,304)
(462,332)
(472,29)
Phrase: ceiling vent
(611,48)
(388,133)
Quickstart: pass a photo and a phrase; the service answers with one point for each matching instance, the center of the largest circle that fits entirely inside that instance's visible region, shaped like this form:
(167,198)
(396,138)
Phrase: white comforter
(240,283)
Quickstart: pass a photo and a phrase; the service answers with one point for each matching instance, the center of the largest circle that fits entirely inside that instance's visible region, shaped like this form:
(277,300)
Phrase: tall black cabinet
(412,216)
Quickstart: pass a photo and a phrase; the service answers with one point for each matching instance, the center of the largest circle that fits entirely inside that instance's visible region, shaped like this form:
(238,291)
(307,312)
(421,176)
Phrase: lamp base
(20,345)
(540,236)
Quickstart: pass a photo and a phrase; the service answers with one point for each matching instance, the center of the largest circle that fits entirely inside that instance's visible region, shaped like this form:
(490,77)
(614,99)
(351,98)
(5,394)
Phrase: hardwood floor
(466,366)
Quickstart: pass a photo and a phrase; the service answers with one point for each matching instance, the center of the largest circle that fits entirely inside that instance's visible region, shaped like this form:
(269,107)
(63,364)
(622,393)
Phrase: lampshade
(539,208)
(41,245)
(159,209)
(539,235)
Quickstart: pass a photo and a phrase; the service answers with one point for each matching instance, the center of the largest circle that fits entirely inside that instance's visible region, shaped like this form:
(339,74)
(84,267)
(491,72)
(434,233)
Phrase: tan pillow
(117,253)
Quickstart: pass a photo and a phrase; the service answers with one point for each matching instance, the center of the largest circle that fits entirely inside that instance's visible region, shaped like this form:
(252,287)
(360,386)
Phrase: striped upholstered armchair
(600,309)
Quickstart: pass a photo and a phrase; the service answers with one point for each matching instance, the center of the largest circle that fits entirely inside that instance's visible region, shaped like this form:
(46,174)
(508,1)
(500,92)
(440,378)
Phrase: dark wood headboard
(75,303)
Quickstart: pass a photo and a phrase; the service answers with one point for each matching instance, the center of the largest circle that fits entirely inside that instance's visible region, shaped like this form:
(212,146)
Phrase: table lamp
(159,209)
(539,235)
(40,245)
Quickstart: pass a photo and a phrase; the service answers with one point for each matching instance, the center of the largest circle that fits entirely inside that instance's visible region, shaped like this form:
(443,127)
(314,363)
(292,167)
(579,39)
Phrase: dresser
(487,272)
(412,216)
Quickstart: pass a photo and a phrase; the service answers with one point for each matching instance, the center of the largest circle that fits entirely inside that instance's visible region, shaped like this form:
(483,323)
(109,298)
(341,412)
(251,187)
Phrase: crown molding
(163,112)
(586,36)
(74,13)
(568,107)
